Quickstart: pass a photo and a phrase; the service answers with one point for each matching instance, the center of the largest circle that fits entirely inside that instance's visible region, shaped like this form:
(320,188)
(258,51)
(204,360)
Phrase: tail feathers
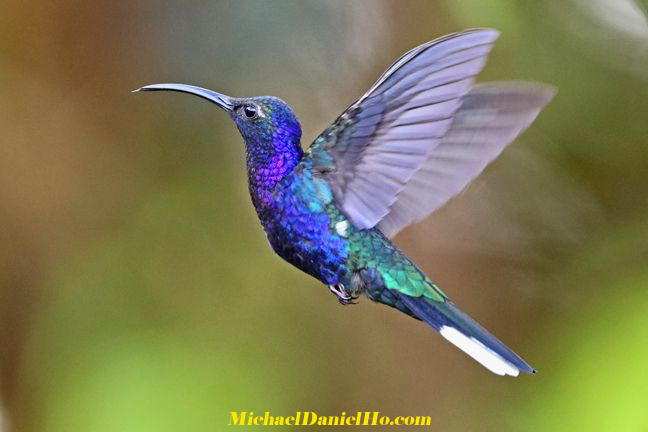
(467,335)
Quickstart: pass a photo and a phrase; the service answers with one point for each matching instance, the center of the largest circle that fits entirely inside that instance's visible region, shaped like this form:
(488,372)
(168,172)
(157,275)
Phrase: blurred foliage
(137,291)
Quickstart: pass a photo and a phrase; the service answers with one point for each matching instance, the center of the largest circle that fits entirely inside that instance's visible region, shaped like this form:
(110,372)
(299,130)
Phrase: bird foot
(343,296)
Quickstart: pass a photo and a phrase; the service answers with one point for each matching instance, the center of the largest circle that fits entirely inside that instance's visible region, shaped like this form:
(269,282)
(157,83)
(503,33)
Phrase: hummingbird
(416,138)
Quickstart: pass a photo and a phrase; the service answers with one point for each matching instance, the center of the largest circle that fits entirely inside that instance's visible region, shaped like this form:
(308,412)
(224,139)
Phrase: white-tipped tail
(475,349)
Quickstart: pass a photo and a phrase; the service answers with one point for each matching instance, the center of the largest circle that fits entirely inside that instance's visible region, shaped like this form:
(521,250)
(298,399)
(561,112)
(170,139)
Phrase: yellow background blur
(138,293)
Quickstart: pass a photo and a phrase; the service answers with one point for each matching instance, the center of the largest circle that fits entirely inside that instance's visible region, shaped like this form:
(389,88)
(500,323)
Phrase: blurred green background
(137,291)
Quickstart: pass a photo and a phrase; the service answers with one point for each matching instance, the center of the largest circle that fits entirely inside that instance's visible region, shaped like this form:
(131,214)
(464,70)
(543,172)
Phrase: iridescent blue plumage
(299,224)
(419,135)
(294,207)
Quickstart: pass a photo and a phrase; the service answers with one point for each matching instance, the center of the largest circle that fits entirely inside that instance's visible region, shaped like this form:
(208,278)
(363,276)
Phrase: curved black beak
(221,100)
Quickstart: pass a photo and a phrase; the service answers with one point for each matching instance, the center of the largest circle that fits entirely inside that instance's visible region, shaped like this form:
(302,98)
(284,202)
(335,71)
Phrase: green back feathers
(370,249)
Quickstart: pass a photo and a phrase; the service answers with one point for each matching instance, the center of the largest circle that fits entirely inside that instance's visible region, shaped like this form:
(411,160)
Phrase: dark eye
(250,111)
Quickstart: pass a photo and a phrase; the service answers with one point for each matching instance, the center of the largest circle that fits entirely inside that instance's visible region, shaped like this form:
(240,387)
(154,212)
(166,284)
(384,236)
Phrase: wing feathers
(491,116)
(417,137)
(431,53)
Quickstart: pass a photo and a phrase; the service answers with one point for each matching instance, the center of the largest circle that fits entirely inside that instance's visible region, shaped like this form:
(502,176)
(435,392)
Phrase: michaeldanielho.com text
(311,418)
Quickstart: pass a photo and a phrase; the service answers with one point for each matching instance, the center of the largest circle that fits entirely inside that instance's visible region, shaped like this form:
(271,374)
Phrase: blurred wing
(374,148)
(491,116)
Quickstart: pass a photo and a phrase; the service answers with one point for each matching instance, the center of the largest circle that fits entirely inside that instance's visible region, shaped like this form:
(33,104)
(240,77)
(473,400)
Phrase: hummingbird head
(269,127)
(266,123)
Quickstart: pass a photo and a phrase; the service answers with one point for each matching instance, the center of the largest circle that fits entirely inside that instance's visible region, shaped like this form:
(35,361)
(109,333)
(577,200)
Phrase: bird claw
(349,301)
(343,296)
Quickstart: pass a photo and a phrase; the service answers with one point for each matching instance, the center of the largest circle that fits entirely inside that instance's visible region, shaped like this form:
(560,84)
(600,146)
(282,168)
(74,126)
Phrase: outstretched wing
(375,147)
(491,116)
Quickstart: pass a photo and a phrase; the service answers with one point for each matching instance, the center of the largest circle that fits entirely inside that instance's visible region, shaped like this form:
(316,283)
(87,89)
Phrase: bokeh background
(137,291)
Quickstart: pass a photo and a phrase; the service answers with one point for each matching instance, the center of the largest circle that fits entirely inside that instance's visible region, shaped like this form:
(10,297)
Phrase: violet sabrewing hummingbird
(414,140)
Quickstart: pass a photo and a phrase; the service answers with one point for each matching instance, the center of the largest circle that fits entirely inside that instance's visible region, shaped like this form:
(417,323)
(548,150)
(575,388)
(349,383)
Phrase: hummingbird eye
(250,111)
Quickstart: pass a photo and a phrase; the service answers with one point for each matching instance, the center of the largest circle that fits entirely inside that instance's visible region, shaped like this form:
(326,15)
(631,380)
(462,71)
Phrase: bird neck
(268,163)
